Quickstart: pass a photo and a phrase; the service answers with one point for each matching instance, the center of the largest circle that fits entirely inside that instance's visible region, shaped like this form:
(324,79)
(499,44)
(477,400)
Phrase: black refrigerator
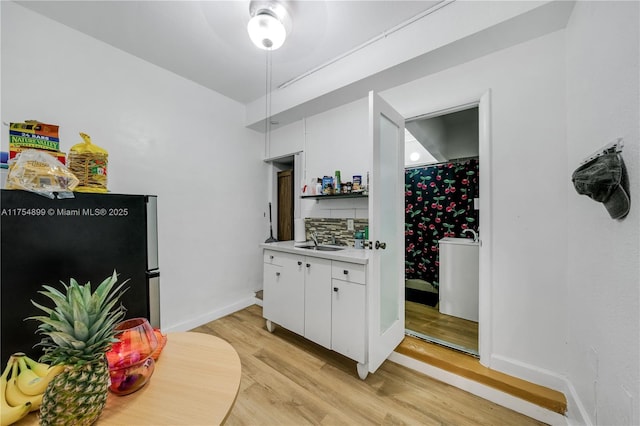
(45,241)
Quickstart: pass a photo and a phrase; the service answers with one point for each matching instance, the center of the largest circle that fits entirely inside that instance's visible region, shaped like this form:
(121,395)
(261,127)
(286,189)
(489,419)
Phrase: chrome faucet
(314,237)
(475,234)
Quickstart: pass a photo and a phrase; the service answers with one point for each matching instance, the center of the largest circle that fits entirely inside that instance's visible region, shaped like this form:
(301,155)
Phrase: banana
(41,369)
(30,383)
(14,395)
(9,414)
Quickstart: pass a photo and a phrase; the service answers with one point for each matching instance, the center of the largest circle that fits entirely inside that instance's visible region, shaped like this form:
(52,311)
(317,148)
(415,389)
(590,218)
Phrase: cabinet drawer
(350,272)
(272,257)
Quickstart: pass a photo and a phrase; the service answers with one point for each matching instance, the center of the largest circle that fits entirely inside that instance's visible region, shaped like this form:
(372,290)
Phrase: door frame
(275,165)
(485,317)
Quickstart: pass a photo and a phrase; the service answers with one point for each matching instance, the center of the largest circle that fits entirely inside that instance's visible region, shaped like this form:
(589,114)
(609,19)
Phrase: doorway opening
(285,205)
(442,218)
(284,175)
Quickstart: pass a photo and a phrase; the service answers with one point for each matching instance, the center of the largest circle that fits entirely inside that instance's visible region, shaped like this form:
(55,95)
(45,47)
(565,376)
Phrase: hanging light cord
(267,106)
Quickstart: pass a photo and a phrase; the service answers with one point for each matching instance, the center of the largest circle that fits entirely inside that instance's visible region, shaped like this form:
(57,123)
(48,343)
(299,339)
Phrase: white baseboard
(529,373)
(503,399)
(576,414)
(212,315)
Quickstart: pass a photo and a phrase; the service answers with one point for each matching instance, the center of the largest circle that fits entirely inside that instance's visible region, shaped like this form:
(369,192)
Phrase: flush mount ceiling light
(269,24)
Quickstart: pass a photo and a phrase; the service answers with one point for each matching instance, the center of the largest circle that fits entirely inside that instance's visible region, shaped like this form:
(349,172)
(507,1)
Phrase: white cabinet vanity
(358,310)
(319,295)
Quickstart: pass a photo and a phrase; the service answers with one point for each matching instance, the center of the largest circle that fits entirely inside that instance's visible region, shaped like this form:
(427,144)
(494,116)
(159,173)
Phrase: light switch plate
(349,224)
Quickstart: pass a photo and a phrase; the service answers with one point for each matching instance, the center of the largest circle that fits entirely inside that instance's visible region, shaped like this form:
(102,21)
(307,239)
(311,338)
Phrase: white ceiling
(207,41)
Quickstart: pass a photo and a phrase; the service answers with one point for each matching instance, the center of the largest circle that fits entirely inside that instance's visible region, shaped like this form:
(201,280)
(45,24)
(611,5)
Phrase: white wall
(285,140)
(528,286)
(449,136)
(338,140)
(603,309)
(432,134)
(332,140)
(462,139)
(528,196)
(166,136)
(564,289)
(457,23)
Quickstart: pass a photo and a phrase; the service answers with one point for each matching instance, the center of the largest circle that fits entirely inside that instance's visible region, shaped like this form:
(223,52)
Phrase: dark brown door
(285,205)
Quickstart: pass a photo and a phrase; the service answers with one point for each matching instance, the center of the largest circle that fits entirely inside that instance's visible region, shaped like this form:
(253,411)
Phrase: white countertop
(348,254)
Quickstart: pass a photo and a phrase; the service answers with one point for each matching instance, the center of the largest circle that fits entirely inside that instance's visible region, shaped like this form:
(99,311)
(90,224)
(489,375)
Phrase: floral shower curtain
(438,204)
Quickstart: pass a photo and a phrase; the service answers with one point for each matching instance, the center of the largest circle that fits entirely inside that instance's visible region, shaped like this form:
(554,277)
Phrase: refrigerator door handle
(153,281)
(152,274)
(152,232)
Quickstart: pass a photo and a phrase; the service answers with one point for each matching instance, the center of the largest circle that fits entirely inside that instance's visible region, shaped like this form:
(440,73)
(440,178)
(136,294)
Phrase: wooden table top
(195,382)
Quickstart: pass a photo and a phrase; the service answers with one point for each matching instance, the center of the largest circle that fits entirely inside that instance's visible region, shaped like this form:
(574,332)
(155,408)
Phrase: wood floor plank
(429,321)
(288,380)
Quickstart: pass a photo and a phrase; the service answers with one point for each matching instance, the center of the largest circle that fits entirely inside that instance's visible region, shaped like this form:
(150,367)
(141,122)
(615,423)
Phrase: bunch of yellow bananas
(22,386)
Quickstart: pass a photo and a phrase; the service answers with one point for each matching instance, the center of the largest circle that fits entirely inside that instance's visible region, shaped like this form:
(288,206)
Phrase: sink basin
(322,248)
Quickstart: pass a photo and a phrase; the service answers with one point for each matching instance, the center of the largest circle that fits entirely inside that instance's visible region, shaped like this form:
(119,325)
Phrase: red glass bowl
(130,361)
(127,380)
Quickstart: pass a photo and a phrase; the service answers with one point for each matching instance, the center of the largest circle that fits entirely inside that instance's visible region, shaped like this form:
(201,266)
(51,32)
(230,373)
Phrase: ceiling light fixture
(269,24)
(415,156)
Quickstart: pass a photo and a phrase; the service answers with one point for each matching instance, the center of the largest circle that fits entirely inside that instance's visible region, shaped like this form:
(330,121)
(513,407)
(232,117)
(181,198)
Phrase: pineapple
(78,332)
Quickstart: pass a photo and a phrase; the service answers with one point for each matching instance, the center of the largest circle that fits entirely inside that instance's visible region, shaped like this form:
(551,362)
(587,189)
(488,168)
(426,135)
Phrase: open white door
(385,281)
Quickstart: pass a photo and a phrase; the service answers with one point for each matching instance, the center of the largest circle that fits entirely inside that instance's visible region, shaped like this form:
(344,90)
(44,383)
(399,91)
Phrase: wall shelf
(333,197)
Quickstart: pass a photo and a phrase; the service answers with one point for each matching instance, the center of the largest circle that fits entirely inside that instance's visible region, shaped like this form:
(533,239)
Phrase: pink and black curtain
(438,204)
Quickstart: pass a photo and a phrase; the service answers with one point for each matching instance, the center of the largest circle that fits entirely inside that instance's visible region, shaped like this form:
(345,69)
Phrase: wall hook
(610,148)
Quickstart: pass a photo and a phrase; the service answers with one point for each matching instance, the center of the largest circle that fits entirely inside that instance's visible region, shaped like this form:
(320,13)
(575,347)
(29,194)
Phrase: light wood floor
(429,321)
(287,380)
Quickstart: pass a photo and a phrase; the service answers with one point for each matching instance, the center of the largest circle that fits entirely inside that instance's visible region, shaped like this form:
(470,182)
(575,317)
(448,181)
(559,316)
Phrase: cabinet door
(284,294)
(348,319)
(317,301)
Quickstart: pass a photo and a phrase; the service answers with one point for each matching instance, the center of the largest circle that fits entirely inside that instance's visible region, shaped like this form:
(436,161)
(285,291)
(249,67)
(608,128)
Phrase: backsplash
(326,228)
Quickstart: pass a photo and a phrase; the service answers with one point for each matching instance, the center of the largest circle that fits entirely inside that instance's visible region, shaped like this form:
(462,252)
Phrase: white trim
(483,102)
(213,315)
(576,412)
(280,157)
(448,110)
(299,171)
(485,230)
(486,392)
(529,373)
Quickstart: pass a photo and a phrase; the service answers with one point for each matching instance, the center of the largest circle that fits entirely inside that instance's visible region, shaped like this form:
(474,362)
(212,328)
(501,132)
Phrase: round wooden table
(195,382)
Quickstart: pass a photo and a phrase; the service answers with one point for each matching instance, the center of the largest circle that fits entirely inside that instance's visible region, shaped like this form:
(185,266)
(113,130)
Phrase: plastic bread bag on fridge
(38,171)
(89,163)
